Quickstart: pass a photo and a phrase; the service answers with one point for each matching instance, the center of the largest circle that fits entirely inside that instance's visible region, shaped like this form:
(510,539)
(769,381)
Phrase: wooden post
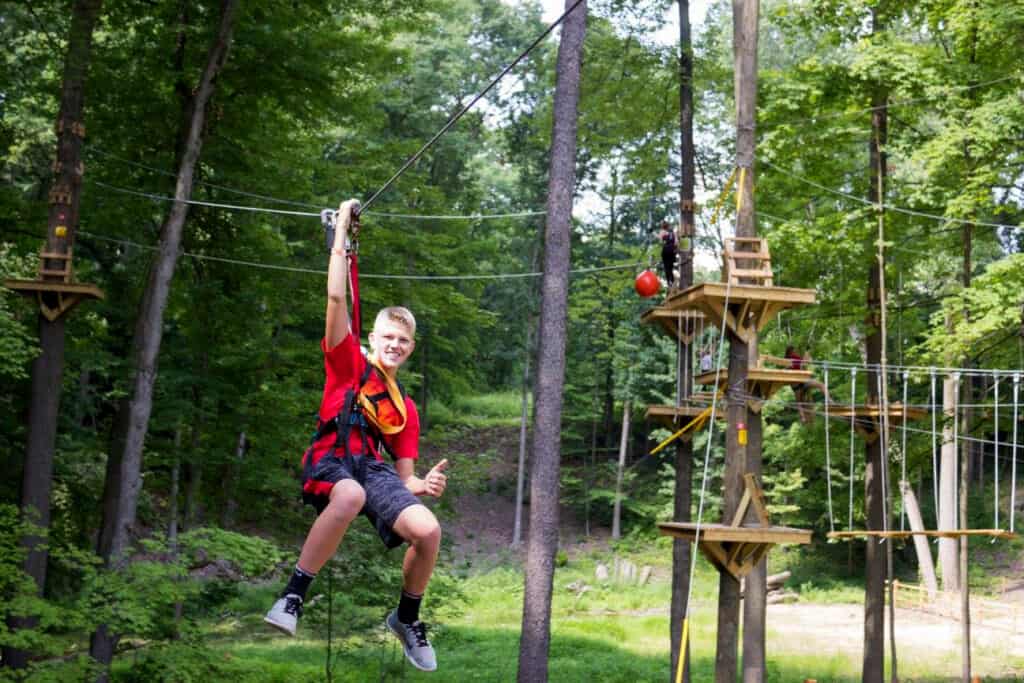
(623,441)
(517,528)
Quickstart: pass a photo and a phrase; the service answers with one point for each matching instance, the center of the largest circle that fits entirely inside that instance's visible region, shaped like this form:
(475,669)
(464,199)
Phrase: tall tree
(547,429)
(48,366)
(740,452)
(683,490)
(875,457)
(124,466)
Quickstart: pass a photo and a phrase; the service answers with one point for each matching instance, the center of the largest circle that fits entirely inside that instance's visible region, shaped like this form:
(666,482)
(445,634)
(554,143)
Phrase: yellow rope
(723,195)
(682,649)
(739,189)
(696,422)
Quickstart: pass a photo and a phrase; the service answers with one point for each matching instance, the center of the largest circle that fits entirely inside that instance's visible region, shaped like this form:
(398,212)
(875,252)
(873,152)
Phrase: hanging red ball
(647,284)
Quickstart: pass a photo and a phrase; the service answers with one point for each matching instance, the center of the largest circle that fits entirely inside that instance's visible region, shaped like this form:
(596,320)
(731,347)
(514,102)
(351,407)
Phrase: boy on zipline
(364,409)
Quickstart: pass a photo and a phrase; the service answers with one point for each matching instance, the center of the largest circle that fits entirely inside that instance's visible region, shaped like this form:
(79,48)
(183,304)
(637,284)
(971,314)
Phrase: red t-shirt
(796,361)
(344,366)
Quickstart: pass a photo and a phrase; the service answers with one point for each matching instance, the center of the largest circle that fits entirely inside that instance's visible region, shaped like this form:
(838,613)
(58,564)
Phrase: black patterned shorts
(386,495)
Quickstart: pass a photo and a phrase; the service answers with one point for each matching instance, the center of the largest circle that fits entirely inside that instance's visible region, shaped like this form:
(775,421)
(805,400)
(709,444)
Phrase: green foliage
(252,555)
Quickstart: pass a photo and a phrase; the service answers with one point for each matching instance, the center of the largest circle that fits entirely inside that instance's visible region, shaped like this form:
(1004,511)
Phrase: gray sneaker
(284,615)
(414,641)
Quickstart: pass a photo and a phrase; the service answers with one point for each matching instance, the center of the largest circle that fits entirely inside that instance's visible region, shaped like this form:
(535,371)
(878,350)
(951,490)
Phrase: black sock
(299,583)
(409,607)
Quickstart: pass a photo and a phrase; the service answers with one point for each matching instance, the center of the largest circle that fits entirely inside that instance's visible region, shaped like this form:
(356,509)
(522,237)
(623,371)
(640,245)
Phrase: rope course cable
(372,276)
(853,401)
(890,207)
(1013,468)
(890,105)
(262,209)
(458,115)
(828,459)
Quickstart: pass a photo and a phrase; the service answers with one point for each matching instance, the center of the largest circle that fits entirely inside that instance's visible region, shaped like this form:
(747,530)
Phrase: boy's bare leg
(346,500)
(418,525)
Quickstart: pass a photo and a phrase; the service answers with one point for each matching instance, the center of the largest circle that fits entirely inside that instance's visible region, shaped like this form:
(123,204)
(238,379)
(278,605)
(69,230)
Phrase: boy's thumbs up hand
(436,481)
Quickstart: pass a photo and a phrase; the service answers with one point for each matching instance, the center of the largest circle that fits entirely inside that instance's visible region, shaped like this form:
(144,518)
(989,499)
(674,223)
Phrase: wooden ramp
(55,290)
(733,548)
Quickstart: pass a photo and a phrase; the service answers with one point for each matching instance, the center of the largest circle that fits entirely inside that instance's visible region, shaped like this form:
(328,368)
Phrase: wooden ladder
(747,262)
(63,269)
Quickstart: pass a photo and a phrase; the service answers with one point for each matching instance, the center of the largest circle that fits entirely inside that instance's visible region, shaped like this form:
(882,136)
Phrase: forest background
(320,101)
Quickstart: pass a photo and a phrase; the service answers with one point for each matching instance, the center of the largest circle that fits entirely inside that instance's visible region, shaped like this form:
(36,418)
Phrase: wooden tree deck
(866,418)
(673,417)
(763,382)
(55,298)
(680,325)
(733,548)
(750,307)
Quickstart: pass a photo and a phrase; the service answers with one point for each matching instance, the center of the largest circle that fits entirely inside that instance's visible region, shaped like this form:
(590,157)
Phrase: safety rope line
(365,276)
(995,455)
(853,401)
(890,207)
(935,456)
(1013,469)
(828,459)
(283,212)
(703,491)
(454,119)
(883,456)
(956,447)
(903,457)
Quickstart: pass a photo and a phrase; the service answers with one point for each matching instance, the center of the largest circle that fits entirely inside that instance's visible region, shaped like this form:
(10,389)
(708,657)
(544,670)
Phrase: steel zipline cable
(454,119)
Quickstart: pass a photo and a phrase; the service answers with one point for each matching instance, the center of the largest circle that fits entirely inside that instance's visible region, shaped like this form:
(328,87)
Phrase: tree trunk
(965,587)
(924,553)
(949,563)
(755,596)
(48,366)
(124,468)
(234,473)
(738,452)
(535,640)
(681,557)
(617,511)
(875,559)
(517,527)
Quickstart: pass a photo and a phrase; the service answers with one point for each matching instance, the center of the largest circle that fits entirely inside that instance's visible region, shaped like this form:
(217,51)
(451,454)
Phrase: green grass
(499,409)
(611,632)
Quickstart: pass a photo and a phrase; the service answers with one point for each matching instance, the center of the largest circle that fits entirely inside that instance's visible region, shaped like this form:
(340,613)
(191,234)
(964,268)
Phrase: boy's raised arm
(338,324)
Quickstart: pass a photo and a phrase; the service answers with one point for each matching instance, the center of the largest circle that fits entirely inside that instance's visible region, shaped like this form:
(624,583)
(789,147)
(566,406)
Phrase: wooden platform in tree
(55,298)
(750,307)
(931,533)
(673,417)
(762,382)
(733,548)
(867,418)
(680,325)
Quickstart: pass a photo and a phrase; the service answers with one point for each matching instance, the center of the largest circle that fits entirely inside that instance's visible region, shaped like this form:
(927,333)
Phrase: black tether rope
(453,120)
